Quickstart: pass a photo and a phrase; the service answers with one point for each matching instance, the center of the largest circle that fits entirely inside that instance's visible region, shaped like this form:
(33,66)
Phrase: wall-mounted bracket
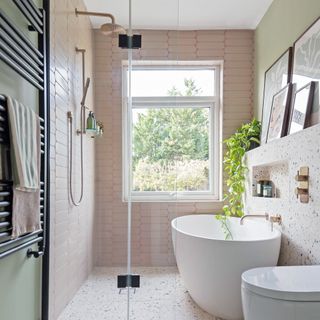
(302,191)
(35,254)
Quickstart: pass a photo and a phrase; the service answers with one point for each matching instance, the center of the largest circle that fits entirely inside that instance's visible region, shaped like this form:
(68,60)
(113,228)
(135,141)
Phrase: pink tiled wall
(71,227)
(151,241)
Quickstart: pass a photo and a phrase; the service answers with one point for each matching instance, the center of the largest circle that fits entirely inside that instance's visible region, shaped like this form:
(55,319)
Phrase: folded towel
(24,126)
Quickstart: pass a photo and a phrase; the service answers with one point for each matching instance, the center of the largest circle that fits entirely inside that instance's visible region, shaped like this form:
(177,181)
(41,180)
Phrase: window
(171,132)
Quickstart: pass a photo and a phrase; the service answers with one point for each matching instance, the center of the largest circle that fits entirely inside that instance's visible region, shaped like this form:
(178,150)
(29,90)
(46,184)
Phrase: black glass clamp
(130,42)
(128,281)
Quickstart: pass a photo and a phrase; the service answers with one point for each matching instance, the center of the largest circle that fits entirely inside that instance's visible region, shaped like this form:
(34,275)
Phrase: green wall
(20,277)
(283,23)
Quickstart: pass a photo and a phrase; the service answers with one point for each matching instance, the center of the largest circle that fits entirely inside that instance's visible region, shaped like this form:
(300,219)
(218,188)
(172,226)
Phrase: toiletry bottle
(260,188)
(90,121)
(267,189)
(94,122)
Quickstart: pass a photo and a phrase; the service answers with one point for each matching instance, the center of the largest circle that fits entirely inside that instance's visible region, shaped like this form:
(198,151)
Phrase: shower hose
(71,191)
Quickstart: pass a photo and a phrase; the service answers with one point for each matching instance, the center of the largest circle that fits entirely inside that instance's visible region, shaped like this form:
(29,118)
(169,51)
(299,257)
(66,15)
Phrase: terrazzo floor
(162,296)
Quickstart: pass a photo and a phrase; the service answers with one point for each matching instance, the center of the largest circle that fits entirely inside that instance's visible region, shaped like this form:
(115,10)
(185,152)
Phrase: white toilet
(281,293)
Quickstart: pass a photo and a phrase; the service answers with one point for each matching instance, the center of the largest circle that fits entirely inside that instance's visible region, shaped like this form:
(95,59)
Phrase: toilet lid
(296,283)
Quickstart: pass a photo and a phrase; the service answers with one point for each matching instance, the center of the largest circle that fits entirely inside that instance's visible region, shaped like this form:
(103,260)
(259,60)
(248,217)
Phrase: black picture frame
(306,66)
(277,76)
(280,110)
(303,100)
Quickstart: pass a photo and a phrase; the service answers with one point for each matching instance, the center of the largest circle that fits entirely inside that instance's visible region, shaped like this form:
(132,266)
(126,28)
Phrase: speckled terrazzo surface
(279,161)
(162,296)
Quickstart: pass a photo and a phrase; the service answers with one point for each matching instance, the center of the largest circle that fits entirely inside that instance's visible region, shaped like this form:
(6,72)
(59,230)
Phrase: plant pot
(254,145)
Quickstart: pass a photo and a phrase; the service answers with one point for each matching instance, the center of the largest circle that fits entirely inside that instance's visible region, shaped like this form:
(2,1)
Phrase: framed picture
(279,113)
(306,66)
(302,104)
(275,78)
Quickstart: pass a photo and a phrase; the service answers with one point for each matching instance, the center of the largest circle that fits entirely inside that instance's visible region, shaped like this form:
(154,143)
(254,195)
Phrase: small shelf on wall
(274,197)
(277,173)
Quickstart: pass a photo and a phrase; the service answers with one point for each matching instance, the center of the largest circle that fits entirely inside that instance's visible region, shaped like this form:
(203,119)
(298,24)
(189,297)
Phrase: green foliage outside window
(171,147)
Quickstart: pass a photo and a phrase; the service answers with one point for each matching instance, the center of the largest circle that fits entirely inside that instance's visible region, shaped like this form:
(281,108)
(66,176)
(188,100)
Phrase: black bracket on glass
(130,42)
(128,281)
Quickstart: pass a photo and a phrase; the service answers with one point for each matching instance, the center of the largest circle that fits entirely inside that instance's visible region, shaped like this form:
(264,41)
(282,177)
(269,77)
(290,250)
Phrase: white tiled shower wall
(71,227)
(151,241)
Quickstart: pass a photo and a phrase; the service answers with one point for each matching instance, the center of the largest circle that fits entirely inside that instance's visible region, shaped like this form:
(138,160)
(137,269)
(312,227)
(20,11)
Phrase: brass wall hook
(302,191)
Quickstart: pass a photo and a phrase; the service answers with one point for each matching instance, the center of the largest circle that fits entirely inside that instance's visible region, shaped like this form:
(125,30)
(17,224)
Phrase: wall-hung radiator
(31,62)
(8,246)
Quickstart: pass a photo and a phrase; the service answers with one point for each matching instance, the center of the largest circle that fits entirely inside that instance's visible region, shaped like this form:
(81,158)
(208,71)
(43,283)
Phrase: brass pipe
(82,51)
(97,14)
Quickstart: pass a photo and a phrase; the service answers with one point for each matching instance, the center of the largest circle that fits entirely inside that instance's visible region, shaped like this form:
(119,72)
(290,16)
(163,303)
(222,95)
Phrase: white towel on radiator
(24,126)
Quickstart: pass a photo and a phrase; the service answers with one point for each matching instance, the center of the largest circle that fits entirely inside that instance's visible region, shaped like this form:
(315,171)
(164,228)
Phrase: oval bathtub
(211,266)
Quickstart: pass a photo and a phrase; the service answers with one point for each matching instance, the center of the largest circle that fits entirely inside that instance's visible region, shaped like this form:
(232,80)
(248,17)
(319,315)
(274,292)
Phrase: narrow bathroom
(159,160)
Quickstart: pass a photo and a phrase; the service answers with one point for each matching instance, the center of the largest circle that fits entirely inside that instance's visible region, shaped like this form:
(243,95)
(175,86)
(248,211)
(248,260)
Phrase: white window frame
(214,103)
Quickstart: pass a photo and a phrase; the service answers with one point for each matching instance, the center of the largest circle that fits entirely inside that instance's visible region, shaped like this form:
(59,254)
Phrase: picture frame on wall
(278,121)
(306,66)
(301,108)
(275,78)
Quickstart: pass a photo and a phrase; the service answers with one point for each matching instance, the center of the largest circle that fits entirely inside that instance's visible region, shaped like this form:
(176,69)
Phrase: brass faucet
(273,219)
(265,216)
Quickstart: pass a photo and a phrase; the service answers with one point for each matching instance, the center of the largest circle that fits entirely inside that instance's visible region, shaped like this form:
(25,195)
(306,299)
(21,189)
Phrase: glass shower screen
(169,118)
(153,82)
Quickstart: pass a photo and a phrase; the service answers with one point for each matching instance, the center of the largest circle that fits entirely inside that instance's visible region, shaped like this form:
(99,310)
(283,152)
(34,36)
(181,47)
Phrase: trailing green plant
(245,138)
(225,226)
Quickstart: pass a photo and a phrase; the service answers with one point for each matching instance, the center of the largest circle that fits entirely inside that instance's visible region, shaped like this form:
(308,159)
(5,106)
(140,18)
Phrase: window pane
(169,82)
(171,149)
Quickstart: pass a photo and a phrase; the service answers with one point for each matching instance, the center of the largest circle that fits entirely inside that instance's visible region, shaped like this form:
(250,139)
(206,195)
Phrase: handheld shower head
(85,91)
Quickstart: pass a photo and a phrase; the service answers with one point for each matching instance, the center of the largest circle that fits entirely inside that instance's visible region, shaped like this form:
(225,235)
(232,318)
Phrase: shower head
(109,28)
(85,91)
(106,28)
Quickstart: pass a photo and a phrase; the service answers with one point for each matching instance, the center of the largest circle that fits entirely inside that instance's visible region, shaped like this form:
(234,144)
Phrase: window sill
(170,200)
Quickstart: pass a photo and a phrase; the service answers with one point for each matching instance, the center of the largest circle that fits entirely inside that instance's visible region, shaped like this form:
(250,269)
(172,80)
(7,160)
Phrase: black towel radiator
(32,63)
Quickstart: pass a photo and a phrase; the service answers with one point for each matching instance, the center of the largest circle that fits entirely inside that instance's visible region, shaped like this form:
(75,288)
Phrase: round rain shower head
(109,28)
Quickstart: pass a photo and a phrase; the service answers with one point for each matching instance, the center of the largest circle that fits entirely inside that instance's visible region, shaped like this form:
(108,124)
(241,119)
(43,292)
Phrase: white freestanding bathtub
(211,266)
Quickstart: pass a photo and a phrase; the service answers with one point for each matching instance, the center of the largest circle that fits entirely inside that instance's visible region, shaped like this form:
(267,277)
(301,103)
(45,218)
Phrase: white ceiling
(182,14)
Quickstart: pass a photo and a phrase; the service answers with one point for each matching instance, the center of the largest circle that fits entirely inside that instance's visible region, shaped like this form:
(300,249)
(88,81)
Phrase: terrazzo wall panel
(280,160)
(71,227)
(151,241)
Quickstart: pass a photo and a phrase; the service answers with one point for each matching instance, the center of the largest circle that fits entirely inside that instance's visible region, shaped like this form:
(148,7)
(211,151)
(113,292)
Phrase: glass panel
(171,149)
(172,82)
(151,231)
